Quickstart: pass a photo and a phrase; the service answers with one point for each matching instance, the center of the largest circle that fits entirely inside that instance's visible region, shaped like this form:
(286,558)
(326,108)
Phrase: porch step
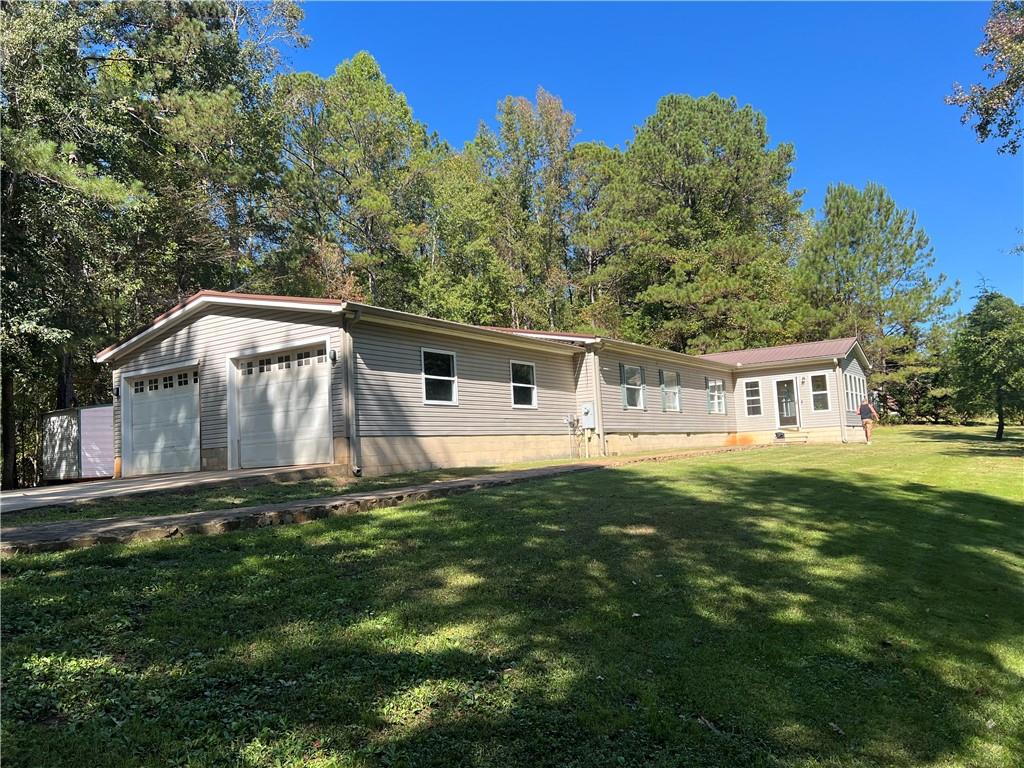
(789,438)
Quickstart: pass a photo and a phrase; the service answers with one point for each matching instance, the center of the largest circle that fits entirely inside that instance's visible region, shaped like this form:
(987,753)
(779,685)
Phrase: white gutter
(781,363)
(841,397)
(595,363)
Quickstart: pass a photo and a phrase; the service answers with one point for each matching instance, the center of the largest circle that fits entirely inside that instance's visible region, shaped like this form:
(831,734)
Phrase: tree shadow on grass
(971,444)
(615,617)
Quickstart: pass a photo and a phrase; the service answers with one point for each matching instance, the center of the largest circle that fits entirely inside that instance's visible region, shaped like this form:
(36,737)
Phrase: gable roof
(196,302)
(551,340)
(810,350)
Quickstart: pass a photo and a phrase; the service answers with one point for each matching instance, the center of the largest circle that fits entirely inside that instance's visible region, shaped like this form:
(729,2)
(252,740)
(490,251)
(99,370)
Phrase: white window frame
(626,387)
(856,391)
(677,388)
(454,379)
(827,392)
(747,398)
(713,402)
(512,385)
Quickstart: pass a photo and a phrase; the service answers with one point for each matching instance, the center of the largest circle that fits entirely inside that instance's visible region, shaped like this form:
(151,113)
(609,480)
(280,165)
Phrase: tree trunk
(66,381)
(9,436)
(234,240)
(1000,414)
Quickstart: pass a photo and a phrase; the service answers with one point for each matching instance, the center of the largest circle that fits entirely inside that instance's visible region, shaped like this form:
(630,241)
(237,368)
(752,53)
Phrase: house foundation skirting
(638,442)
(401,453)
(617,443)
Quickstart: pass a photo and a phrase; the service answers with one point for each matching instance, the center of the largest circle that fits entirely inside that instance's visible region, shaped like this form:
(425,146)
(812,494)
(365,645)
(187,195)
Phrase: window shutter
(643,387)
(707,394)
(622,383)
(661,384)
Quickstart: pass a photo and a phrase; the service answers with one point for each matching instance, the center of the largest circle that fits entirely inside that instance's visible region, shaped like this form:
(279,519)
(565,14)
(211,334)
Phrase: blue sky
(857,89)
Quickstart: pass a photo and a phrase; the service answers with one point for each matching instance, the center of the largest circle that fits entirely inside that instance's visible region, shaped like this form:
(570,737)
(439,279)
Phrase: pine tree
(865,271)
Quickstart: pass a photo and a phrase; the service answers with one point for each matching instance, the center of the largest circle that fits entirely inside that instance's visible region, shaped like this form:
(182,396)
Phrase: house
(228,380)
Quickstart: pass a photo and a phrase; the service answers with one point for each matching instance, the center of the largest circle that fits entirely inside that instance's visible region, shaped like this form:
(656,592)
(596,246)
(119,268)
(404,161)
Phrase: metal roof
(786,352)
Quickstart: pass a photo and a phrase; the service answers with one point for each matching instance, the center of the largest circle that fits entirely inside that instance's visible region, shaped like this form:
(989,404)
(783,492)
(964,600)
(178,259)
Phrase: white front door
(284,409)
(164,423)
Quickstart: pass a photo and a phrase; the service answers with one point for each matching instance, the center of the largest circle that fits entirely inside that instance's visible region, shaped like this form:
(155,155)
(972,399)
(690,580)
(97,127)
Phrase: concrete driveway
(77,493)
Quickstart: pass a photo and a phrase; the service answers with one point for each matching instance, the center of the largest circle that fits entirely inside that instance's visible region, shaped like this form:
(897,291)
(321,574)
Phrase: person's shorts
(866,422)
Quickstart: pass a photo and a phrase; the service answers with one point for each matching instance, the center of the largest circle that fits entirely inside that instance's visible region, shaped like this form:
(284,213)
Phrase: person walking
(868,417)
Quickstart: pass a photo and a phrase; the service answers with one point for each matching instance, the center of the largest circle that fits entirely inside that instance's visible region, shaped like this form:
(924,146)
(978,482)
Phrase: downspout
(841,397)
(595,365)
(355,452)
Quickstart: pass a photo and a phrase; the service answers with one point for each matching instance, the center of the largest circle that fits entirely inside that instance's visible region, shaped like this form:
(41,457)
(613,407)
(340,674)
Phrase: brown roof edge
(535,332)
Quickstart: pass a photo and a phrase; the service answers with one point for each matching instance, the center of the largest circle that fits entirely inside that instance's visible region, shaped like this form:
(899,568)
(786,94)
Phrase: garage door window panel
(283,410)
(164,424)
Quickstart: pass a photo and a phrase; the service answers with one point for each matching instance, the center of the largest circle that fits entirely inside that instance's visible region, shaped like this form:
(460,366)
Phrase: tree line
(151,150)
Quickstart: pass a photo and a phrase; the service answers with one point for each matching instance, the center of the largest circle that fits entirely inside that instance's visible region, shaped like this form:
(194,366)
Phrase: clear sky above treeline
(857,88)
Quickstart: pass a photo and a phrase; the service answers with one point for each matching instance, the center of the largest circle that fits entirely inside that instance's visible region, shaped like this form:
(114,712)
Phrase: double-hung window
(819,392)
(716,395)
(440,385)
(670,388)
(524,384)
(752,393)
(632,378)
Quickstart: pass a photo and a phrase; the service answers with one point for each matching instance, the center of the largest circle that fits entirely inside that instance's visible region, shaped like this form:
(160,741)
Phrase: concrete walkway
(72,534)
(76,493)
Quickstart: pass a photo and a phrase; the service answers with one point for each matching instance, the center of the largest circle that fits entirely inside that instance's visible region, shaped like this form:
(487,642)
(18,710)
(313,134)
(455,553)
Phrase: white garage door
(284,409)
(164,424)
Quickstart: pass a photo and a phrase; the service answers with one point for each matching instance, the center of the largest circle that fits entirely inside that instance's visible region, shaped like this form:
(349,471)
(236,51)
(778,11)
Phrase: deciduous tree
(988,359)
(994,109)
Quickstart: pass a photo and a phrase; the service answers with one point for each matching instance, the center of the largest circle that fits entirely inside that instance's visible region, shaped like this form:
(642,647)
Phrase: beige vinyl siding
(222,332)
(583,373)
(764,422)
(693,416)
(809,418)
(389,386)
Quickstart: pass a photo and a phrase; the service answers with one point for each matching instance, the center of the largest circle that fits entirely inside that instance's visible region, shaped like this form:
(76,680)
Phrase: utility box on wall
(587,418)
(78,443)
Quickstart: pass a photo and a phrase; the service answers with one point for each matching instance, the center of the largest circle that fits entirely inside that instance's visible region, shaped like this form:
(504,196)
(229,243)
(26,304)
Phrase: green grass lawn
(203,498)
(806,606)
